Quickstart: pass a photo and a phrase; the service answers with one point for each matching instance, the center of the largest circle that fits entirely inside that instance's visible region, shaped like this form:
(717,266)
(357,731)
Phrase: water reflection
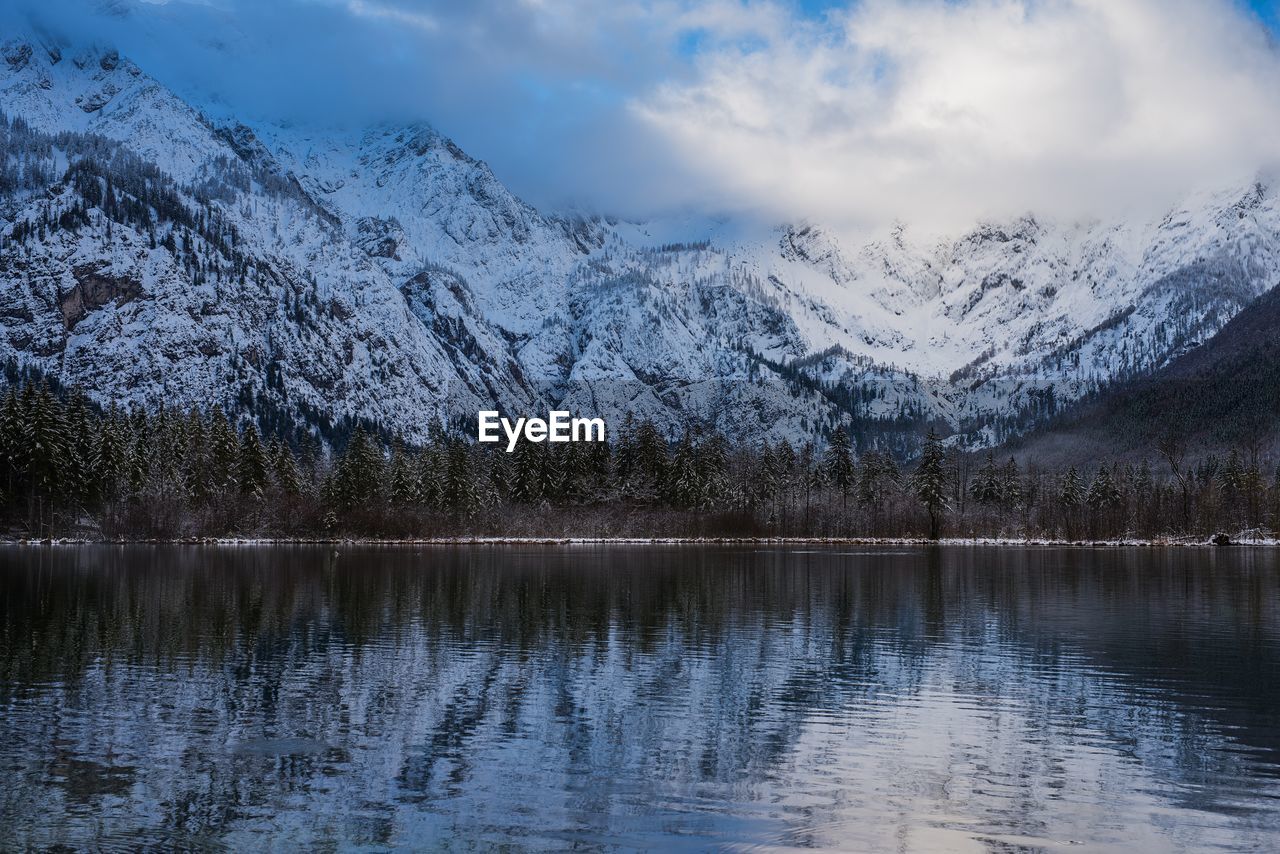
(639,697)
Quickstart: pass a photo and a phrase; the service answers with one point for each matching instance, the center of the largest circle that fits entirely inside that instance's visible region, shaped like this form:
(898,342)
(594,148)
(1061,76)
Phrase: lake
(640,697)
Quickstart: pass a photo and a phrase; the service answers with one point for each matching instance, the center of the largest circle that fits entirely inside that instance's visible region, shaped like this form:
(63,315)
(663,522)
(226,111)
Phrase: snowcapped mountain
(152,255)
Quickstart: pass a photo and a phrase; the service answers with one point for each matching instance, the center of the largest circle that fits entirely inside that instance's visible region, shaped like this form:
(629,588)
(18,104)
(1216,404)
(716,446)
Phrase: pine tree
(137,461)
(1232,473)
(46,443)
(460,487)
(551,474)
(1103,493)
(284,469)
(80,477)
(1072,494)
(109,459)
(838,464)
(624,461)
(929,481)
(769,480)
(195,478)
(683,486)
(874,477)
(251,469)
(602,470)
(499,474)
(162,444)
(1275,502)
(713,471)
(1011,493)
(12,457)
(574,472)
(985,488)
(1143,480)
(222,461)
(359,472)
(430,478)
(526,475)
(402,487)
(649,470)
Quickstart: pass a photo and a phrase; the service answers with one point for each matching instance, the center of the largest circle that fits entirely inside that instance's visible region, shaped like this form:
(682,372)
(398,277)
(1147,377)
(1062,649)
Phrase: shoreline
(954,542)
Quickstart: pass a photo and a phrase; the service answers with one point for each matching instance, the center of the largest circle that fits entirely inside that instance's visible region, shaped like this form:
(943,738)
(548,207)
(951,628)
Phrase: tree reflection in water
(639,697)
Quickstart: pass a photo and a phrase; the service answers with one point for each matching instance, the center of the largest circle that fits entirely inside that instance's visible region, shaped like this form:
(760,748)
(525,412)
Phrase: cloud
(539,88)
(921,110)
(946,111)
(391,13)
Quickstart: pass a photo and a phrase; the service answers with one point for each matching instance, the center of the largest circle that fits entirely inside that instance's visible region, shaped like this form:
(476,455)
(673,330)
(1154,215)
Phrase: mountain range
(154,252)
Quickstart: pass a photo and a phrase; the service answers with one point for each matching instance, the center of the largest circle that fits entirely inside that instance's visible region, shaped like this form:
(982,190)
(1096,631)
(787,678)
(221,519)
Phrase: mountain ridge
(473,298)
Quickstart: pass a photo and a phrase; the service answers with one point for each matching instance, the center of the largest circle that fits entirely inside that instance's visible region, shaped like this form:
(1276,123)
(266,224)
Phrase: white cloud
(945,111)
(422,21)
(940,110)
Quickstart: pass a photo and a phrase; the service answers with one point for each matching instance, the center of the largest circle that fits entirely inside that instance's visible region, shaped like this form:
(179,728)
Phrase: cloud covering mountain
(853,115)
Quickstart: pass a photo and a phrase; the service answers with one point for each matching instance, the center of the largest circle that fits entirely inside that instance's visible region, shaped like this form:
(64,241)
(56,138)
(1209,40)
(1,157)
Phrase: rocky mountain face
(151,255)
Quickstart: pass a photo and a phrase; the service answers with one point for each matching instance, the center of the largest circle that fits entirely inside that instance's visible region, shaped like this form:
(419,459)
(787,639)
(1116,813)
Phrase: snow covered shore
(1181,542)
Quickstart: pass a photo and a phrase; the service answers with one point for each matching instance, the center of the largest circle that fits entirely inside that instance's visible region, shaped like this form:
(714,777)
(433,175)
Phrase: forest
(69,469)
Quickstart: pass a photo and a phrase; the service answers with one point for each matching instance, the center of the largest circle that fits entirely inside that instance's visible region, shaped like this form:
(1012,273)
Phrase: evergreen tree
(877,475)
(284,469)
(498,477)
(526,474)
(1072,494)
(574,472)
(551,474)
(1103,493)
(713,471)
(359,472)
(430,478)
(649,462)
(461,490)
(602,469)
(109,459)
(222,461)
(770,480)
(985,488)
(137,460)
(402,487)
(12,455)
(45,441)
(195,476)
(80,479)
(838,465)
(251,471)
(929,481)
(1143,480)
(684,488)
(1011,493)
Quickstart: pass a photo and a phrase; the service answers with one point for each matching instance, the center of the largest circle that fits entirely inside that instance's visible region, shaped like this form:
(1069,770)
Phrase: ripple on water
(967,699)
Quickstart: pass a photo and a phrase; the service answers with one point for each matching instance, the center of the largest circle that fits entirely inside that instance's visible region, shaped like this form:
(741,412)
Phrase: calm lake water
(640,697)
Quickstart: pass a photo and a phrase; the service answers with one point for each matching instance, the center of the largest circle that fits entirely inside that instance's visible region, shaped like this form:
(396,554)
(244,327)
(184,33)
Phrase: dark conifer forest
(70,469)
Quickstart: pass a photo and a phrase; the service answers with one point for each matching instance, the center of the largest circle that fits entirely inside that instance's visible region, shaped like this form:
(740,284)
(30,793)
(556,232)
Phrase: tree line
(69,468)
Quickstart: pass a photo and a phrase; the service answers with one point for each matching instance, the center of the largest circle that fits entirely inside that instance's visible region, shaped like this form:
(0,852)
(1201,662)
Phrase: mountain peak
(384,273)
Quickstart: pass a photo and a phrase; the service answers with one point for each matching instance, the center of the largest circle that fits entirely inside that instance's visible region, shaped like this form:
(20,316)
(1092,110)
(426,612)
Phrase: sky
(851,113)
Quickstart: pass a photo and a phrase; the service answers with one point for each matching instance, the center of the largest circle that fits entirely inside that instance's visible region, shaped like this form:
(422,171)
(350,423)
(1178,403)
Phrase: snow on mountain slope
(1019,316)
(194,276)
(384,273)
(590,320)
(95,90)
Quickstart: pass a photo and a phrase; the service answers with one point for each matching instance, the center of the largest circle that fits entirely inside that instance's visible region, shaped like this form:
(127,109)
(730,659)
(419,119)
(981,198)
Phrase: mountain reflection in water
(639,697)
